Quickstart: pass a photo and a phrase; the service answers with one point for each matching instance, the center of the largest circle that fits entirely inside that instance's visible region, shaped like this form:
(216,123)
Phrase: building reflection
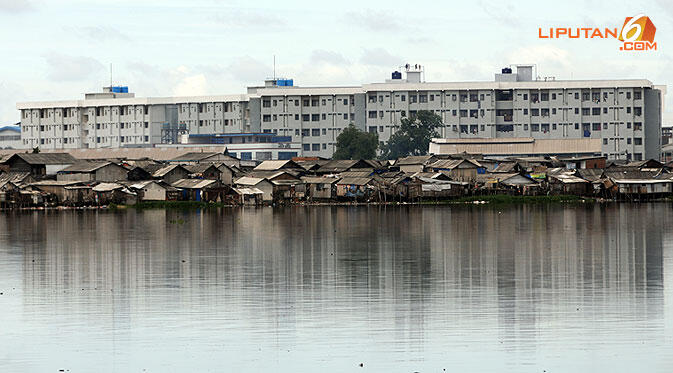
(405,272)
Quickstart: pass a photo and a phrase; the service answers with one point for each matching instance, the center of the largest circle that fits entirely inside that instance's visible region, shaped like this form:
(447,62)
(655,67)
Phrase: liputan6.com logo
(637,33)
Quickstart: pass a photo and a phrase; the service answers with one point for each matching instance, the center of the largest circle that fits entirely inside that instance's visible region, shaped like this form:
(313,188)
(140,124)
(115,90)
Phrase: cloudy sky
(58,49)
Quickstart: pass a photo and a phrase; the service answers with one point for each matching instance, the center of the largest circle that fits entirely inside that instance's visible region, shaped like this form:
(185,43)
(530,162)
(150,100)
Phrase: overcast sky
(54,50)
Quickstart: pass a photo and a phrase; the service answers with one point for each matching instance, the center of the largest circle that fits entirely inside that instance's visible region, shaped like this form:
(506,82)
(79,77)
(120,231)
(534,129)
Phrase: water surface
(399,289)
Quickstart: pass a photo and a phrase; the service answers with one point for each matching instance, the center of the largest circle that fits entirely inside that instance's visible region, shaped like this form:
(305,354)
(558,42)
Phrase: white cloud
(191,85)
(98,33)
(380,57)
(8,93)
(61,67)
(248,70)
(251,20)
(16,6)
(324,56)
(545,55)
(375,20)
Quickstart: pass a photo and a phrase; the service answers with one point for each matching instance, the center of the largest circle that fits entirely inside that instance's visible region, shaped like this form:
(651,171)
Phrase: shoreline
(467,200)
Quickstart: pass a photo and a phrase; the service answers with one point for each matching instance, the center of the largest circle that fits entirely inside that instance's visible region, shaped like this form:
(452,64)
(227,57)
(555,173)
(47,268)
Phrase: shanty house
(338,166)
(458,169)
(138,173)
(255,182)
(320,188)
(206,157)
(564,183)
(107,193)
(170,173)
(356,187)
(204,171)
(92,171)
(154,190)
(201,190)
(278,165)
(227,173)
(642,188)
(39,164)
(415,163)
(248,196)
(433,188)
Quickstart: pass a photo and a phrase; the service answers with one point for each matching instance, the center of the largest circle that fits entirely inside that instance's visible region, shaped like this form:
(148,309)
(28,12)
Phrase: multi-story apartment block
(624,114)
(113,120)
(313,117)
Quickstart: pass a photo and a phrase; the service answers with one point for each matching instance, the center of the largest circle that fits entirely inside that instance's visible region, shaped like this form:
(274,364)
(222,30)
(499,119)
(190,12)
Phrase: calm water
(399,289)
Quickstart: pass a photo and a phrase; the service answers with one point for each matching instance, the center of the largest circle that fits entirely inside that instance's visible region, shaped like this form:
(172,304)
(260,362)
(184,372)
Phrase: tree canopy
(413,136)
(355,144)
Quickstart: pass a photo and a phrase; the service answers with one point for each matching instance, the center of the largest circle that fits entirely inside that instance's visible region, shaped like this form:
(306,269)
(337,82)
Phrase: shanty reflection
(309,285)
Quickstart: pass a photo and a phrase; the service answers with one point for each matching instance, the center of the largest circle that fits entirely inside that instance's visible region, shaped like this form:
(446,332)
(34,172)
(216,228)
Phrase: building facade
(10,137)
(624,115)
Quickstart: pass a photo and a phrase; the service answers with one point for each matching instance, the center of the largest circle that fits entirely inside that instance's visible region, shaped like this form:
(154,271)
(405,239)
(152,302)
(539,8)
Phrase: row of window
(314,147)
(308,102)
(106,139)
(543,127)
(501,96)
(215,122)
(636,141)
(267,118)
(123,125)
(206,108)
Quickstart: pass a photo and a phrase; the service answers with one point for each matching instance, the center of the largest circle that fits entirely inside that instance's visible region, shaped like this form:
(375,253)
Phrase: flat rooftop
(516,146)
(345,90)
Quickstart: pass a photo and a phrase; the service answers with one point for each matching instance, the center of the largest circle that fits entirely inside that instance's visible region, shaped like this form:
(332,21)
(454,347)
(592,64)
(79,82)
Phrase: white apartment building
(10,137)
(115,120)
(624,114)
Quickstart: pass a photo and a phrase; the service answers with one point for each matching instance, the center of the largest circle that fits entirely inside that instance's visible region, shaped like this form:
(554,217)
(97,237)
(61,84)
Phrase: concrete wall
(652,124)
(154,192)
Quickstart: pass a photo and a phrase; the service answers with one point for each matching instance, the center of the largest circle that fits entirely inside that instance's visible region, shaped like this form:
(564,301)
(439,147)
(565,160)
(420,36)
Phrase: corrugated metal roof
(197,156)
(14,177)
(107,187)
(159,153)
(414,159)
(567,178)
(165,170)
(515,147)
(319,180)
(450,164)
(356,173)
(276,165)
(246,180)
(201,167)
(272,174)
(630,174)
(84,167)
(355,181)
(193,183)
(247,191)
(11,128)
(46,158)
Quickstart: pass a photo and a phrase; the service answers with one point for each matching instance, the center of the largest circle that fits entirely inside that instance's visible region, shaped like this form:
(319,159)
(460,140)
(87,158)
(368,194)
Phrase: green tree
(355,144)
(414,135)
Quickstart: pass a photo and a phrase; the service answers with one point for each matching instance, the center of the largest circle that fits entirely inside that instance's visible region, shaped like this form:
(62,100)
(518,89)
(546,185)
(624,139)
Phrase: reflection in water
(305,288)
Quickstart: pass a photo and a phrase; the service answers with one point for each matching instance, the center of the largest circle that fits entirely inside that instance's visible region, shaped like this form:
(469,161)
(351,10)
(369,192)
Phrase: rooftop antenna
(110,74)
(274,67)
